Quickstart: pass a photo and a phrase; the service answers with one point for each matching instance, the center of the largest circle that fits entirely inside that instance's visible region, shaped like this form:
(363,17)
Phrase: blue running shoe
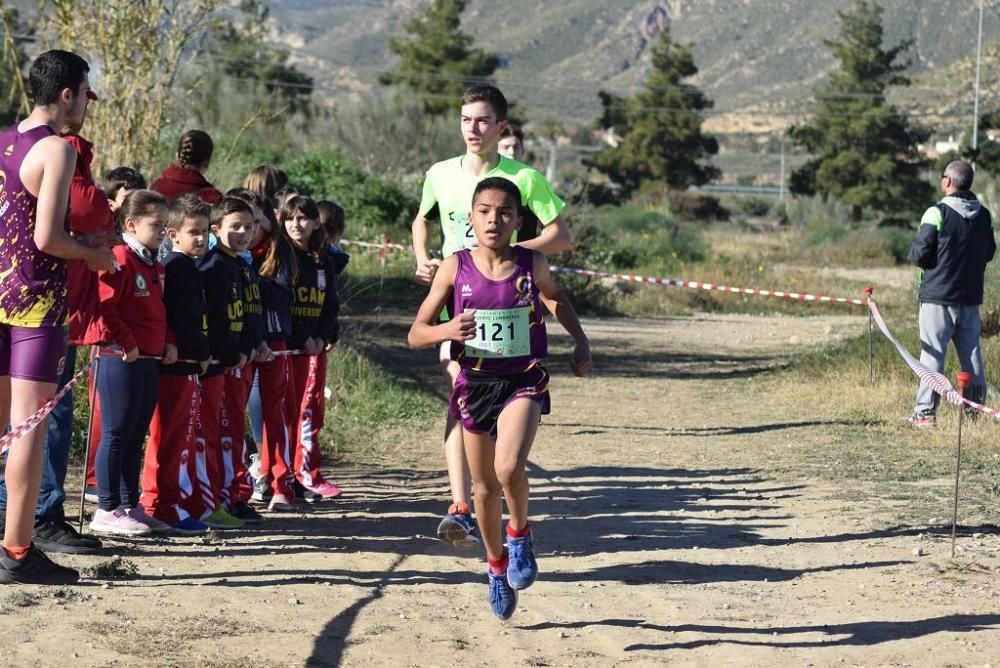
(189,526)
(458,528)
(522,568)
(503,598)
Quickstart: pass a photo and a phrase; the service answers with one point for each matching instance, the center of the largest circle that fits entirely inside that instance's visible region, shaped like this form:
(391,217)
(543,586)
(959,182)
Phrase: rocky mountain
(759,59)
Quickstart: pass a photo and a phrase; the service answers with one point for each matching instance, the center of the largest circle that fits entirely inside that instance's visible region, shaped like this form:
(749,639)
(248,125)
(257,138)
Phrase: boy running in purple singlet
(36,167)
(498,331)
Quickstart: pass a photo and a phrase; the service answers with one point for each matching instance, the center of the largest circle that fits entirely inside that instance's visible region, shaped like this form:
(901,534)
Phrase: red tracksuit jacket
(130,301)
(89,212)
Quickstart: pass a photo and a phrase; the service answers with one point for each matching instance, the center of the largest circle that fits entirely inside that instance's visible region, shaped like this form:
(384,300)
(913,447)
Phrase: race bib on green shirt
(447,196)
(500,333)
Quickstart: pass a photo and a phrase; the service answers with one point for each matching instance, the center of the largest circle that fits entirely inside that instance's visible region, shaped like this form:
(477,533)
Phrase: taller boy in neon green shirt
(447,198)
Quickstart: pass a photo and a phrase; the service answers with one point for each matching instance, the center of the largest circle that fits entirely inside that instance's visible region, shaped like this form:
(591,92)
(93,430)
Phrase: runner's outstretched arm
(425,265)
(558,303)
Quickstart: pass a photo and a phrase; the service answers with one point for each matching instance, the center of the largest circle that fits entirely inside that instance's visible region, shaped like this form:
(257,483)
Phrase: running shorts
(33,353)
(479,398)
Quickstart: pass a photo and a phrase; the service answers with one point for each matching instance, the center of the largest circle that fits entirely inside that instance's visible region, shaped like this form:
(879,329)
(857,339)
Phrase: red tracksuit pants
(210,440)
(309,376)
(173,487)
(237,484)
(279,406)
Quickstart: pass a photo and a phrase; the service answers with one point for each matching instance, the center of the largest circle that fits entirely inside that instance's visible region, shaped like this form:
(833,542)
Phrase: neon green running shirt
(448,196)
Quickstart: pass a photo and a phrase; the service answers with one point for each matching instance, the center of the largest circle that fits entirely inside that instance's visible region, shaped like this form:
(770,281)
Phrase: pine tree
(660,127)
(244,55)
(436,60)
(864,152)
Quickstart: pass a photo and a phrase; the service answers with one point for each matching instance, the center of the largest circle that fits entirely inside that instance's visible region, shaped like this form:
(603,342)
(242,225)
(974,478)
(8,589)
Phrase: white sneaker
(156,526)
(118,522)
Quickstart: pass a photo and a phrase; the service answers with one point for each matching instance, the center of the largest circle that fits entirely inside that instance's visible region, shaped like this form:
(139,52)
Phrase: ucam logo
(466,289)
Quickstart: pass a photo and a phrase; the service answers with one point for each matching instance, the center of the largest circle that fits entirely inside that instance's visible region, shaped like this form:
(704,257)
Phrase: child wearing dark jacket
(173,484)
(314,330)
(222,276)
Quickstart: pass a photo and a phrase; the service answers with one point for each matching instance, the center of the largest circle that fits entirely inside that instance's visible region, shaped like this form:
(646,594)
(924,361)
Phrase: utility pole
(975,104)
(781,180)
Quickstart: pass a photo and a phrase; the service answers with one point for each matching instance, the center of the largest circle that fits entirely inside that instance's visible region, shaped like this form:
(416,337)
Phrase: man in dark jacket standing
(953,247)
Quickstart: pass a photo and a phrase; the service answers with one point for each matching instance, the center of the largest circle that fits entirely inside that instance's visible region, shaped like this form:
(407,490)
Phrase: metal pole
(964,378)
(871,329)
(95,362)
(781,183)
(975,105)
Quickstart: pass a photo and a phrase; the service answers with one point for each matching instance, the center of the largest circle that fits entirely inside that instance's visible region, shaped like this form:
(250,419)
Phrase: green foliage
(863,151)
(688,205)
(389,134)
(661,126)
(754,206)
(243,54)
(370,400)
(374,206)
(13,98)
(436,61)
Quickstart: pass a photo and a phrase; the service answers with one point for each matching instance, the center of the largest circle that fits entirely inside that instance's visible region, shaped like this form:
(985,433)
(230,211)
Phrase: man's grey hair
(960,173)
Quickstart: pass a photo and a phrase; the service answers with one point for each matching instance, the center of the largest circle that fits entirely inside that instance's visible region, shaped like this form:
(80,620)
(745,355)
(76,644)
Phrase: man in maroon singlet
(36,167)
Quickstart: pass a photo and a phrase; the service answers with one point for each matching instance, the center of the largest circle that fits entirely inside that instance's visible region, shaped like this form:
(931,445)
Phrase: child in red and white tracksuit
(222,276)
(300,249)
(175,484)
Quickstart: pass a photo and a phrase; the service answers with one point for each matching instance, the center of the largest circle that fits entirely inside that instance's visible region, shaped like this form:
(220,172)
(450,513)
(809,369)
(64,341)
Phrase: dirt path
(669,531)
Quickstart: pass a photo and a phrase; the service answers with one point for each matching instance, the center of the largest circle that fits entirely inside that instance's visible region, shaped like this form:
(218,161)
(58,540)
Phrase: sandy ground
(664,537)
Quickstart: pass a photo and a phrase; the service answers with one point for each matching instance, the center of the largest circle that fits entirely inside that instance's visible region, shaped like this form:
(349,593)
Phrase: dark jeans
(57,444)
(128,394)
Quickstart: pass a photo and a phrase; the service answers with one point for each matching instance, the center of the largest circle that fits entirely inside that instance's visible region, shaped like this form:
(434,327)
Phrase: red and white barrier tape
(936,381)
(36,418)
(649,280)
(681,283)
(110,352)
(382,246)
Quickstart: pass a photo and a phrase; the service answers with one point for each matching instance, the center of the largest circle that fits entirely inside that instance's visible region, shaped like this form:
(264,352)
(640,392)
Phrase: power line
(597,108)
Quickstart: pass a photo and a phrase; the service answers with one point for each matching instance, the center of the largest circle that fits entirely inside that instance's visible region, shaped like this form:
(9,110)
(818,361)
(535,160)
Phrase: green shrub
(688,205)
(373,206)
(754,206)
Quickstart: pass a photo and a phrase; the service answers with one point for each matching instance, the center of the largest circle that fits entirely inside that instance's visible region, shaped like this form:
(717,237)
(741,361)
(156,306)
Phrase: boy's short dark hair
(332,217)
(491,95)
(511,130)
(187,205)
(502,184)
(123,178)
(54,71)
(227,206)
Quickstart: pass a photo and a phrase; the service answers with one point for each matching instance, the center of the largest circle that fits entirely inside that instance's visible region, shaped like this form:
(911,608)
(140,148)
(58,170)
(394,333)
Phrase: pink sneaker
(156,526)
(326,489)
(280,504)
(118,522)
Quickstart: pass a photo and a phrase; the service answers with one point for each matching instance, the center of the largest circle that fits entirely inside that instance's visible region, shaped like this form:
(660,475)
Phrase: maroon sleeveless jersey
(510,328)
(32,283)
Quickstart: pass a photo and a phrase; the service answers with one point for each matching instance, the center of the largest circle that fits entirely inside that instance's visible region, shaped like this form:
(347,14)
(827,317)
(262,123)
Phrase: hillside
(759,59)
